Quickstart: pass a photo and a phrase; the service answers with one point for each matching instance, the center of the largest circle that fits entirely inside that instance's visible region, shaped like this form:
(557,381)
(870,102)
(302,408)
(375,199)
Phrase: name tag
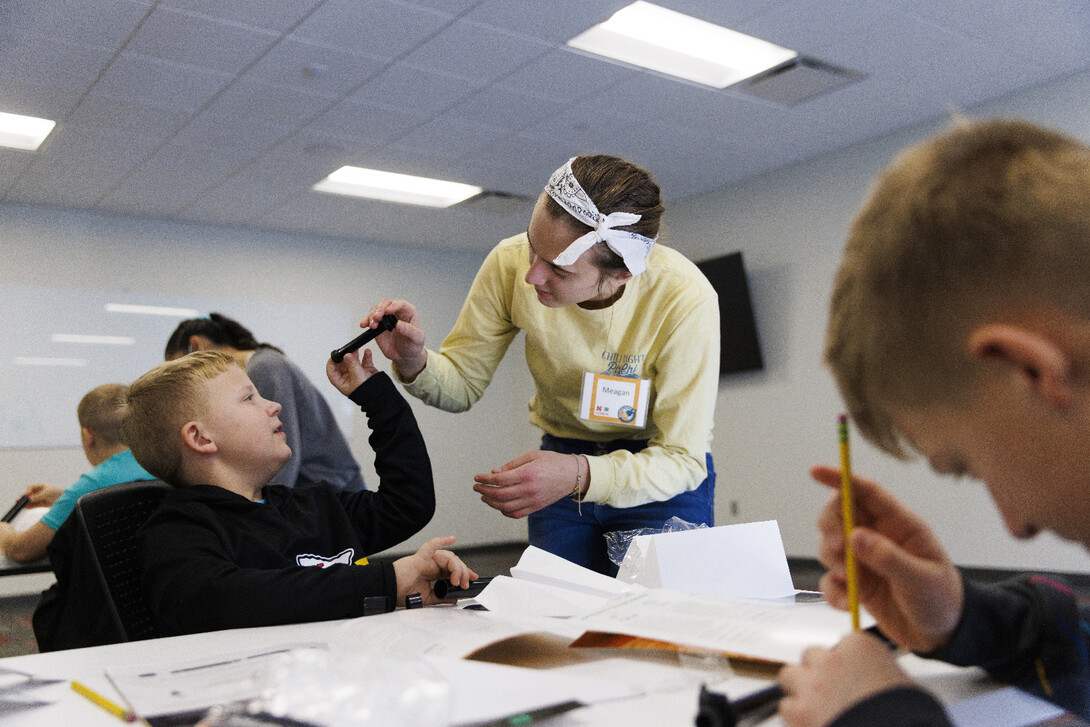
(615,400)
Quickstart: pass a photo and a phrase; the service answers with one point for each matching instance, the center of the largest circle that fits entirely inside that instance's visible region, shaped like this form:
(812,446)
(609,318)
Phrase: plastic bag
(317,688)
(618,542)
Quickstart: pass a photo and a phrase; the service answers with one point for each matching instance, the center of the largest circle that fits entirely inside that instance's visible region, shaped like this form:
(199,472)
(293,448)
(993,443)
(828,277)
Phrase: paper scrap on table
(731,561)
(543,584)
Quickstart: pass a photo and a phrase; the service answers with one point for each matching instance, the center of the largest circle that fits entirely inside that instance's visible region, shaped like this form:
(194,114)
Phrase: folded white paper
(730,561)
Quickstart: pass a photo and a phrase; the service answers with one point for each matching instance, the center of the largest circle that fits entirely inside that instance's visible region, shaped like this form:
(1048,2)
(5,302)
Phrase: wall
(772,425)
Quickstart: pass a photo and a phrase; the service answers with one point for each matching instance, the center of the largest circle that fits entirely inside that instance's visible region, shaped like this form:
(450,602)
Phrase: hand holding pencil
(905,579)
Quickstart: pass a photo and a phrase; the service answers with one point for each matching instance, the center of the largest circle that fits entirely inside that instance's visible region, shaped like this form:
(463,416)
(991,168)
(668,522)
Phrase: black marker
(715,710)
(388,323)
(19,505)
(443,589)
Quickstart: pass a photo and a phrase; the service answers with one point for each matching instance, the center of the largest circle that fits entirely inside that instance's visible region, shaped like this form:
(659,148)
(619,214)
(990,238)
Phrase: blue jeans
(559,528)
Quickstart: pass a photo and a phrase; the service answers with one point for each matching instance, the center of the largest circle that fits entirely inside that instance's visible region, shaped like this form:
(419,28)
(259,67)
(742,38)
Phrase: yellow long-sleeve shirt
(665,328)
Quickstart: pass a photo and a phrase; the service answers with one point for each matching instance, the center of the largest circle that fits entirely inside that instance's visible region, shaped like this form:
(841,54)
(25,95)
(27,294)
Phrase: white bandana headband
(633,248)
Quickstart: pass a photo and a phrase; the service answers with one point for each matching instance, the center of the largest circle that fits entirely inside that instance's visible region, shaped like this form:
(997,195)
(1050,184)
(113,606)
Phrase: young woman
(319,452)
(622,341)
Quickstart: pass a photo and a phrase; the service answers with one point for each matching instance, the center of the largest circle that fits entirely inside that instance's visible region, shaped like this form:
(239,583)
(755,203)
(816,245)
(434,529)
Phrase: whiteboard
(42,379)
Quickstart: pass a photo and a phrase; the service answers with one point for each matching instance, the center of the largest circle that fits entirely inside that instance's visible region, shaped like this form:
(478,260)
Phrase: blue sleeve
(1030,632)
(66,503)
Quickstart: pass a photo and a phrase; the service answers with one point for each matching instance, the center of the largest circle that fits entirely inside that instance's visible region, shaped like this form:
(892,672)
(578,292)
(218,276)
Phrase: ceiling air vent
(798,81)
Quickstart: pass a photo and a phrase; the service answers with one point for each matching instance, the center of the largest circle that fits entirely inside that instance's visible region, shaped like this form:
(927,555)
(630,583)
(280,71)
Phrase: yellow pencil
(114,709)
(847,509)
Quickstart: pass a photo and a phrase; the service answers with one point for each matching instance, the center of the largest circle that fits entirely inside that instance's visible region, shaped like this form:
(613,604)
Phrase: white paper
(774,631)
(27,517)
(437,631)
(483,691)
(543,584)
(196,684)
(1009,707)
(511,596)
(731,561)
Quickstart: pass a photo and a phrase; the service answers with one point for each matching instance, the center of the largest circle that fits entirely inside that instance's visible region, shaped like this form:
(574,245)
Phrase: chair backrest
(110,518)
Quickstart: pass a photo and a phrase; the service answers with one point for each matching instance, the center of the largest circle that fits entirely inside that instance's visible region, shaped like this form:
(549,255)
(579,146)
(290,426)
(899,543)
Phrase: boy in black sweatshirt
(227,550)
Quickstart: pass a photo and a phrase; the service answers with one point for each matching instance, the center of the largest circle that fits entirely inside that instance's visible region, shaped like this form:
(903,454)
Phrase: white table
(88,666)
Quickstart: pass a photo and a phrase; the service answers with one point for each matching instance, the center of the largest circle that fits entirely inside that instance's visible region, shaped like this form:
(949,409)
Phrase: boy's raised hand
(906,580)
(416,572)
(347,375)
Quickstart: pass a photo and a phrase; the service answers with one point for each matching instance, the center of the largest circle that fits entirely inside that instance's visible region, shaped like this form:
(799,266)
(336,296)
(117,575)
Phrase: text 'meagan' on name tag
(615,400)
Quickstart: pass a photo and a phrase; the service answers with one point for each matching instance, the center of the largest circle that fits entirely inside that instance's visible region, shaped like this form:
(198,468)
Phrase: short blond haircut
(163,400)
(986,221)
(100,411)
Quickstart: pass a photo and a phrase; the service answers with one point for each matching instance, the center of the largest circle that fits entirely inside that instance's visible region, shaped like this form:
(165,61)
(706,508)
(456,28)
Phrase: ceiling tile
(273,15)
(557,20)
(105,23)
(314,69)
(154,82)
(476,52)
(378,28)
(416,90)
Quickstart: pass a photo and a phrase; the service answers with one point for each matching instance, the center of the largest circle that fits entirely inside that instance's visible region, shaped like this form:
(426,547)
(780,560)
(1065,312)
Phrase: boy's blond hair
(100,411)
(161,402)
(987,221)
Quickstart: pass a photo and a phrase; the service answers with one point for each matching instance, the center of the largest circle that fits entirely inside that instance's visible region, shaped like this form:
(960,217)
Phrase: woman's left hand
(531,481)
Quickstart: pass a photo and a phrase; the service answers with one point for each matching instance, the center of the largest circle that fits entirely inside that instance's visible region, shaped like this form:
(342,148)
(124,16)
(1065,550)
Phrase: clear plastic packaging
(318,688)
(618,542)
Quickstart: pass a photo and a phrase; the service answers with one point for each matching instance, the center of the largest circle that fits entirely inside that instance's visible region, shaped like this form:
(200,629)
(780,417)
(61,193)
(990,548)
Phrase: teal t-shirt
(122,467)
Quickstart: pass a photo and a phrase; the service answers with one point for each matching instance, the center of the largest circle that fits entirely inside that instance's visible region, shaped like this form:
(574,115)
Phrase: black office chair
(109,519)
(97,598)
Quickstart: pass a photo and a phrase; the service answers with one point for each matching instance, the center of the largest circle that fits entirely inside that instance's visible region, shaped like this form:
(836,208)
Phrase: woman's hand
(404,345)
(532,481)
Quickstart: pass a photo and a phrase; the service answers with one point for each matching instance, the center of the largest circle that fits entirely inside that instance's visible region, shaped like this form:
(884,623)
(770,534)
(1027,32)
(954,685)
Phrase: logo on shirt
(627,365)
(309,560)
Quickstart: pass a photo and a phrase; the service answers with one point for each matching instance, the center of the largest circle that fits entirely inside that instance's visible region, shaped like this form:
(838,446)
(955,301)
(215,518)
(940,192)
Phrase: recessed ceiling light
(152,310)
(679,45)
(86,338)
(23,132)
(391,187)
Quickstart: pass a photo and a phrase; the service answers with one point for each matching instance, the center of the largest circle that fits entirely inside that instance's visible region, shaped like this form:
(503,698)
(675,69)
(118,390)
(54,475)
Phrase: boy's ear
(87,437)
(1042,363)
(193,436)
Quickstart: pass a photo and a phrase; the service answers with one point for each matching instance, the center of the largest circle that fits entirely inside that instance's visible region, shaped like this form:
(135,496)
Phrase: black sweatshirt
(213,559)
(1028,632)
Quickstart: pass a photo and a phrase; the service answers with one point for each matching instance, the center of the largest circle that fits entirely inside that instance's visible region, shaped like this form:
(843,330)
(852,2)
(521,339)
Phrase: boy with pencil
(960,329)
(227,550)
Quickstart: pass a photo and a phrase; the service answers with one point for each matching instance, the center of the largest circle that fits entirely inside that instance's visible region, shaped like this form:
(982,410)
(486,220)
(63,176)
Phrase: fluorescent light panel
(23,132)
(391,187)
(679,45)
(152,310)
(86,338)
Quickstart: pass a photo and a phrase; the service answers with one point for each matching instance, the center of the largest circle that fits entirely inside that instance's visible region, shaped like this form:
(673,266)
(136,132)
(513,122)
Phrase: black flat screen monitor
(740,350)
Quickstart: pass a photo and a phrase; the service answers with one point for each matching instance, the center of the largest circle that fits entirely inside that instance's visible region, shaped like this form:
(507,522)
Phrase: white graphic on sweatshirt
(307,559)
